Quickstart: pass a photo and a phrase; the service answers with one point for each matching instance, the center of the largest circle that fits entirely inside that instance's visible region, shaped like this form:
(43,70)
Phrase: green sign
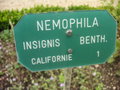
(64,39)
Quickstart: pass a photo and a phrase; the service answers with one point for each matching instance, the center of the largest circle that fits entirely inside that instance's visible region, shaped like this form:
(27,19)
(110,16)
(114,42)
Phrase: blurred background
(14,76)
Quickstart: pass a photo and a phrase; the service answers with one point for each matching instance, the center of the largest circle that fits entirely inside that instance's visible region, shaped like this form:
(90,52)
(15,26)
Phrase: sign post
(67,75)
(56,40)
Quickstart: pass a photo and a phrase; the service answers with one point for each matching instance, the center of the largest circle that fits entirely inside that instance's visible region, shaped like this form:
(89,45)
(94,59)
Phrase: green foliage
(82,7)
(6,36)
(87,78)
(118,45)
(61,78)
(118,72)
(116,53)
(111,60)
(1,73)
(99,87)
(15,15)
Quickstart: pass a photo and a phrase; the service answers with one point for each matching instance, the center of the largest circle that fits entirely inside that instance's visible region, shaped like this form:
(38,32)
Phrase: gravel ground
(19,4)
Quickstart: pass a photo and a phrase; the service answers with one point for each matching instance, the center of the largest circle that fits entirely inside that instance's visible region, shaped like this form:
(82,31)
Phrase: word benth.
(64,39)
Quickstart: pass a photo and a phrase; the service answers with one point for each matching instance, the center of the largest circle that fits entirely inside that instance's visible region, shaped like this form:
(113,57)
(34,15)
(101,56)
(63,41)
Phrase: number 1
(98,53)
